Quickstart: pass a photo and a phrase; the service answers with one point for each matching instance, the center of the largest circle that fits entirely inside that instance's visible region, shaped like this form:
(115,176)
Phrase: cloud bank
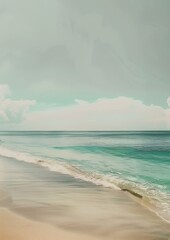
(120,113)
(12,111)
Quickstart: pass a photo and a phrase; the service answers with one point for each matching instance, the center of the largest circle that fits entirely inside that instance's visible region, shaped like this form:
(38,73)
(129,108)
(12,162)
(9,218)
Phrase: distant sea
(135,161)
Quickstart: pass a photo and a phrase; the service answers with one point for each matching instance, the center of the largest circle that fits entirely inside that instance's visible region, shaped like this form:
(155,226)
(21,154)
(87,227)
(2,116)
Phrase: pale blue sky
(56,51)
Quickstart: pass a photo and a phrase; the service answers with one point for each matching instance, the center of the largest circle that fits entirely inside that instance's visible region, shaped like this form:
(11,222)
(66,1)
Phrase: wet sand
(39,204)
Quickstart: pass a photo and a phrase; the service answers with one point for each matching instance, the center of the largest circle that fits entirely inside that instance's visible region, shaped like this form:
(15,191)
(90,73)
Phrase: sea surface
(135,161)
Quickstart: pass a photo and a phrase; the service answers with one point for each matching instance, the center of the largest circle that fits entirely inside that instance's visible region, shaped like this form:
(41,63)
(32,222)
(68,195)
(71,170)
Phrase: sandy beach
(19,228)
(16,227)
(38,204)
(13,226)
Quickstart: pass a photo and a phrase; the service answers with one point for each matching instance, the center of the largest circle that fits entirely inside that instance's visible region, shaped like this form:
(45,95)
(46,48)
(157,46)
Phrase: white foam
(56,166)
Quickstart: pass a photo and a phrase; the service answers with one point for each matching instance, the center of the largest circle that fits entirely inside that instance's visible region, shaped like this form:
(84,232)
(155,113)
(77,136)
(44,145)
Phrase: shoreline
(146,204)
(135,190)
(96,179)
(63,203)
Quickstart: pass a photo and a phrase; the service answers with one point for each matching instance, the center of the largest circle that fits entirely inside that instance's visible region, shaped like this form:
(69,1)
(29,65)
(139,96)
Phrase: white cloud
(168,101)
(120,113)
(12,110)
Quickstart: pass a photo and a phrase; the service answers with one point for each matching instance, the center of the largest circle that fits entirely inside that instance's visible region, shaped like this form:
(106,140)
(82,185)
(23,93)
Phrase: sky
(84,65)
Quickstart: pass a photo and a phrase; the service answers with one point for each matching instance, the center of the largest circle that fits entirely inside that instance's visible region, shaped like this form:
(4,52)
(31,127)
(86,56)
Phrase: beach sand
(14,227)
(38,204)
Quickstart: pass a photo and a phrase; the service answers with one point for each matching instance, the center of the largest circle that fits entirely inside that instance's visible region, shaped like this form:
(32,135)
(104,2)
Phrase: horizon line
(159,130)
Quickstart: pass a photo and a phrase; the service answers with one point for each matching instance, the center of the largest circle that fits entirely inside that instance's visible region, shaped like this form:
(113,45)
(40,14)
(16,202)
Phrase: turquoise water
(139,161)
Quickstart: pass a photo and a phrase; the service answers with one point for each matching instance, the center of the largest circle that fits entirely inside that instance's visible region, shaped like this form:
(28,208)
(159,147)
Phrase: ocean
(134,161)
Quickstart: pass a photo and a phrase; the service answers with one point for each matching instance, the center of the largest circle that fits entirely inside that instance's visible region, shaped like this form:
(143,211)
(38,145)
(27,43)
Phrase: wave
(56,166)
(135,152)
(155,199)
